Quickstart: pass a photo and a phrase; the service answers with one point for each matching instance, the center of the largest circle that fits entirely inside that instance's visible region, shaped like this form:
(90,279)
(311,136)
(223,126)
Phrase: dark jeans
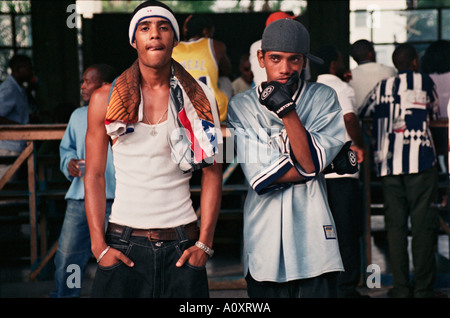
(345,203)
(154,274)
(410,197)
(323,286)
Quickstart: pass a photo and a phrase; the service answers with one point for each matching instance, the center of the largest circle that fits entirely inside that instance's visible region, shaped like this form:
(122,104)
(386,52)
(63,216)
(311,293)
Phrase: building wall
(105,40)
(55,59)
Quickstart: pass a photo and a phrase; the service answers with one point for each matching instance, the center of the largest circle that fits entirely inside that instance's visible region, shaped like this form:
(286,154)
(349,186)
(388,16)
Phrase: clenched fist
(277,97)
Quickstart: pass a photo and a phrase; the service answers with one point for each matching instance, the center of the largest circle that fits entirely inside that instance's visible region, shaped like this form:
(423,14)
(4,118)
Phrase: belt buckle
(149,236)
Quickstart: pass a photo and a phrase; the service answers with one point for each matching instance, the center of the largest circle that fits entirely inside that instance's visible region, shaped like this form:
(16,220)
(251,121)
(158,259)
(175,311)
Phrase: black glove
(345,161)
(277,97)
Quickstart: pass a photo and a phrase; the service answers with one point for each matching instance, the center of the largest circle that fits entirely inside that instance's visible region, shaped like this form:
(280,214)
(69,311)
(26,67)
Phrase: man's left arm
(434,102)
(316,142)
(312,145)
(210,199)
(299,144)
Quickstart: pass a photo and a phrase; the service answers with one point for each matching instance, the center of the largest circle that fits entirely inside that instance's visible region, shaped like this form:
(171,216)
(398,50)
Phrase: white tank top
(151,191)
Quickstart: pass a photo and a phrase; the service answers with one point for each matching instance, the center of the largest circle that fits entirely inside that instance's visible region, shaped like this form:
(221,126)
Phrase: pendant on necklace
(153,131)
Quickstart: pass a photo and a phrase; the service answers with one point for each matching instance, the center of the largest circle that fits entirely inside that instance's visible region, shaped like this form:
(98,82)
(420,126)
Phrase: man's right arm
(94,181)
(95,198)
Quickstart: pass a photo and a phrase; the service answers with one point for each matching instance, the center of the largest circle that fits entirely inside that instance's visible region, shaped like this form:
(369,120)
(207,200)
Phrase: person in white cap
(287,132)
(163,125)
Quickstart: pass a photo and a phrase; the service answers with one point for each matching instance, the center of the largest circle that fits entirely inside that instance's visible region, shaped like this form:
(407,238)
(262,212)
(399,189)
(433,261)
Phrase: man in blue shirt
(74,244)
(14,105)
(287,131)
(405,159)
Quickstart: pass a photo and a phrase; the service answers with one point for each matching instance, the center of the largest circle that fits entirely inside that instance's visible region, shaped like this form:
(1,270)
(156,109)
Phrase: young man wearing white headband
(295,129)
(151,114)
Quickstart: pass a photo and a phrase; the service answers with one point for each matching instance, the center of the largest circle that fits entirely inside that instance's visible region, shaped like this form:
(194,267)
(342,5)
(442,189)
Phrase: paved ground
(224,271)
(226,281)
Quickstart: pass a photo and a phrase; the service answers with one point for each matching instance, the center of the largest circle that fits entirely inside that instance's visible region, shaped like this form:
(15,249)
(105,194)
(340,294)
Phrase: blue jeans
(74,248)
(154,274)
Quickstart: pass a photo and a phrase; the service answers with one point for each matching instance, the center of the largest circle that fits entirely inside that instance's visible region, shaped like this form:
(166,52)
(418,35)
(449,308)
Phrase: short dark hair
(19,60)
(196,25)
(403,56)
(437,58)
(328,53)
(106,72)
(360,50)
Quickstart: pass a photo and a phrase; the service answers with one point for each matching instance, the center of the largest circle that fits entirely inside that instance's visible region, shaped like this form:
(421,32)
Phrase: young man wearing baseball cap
(288,131)
(163,125)
(259,74)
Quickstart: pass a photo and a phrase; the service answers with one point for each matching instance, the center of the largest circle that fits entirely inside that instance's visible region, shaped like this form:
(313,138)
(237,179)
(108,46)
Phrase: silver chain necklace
(153,132)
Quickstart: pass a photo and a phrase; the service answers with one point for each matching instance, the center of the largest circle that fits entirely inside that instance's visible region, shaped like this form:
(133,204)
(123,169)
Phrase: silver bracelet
(205,248)
(103,254)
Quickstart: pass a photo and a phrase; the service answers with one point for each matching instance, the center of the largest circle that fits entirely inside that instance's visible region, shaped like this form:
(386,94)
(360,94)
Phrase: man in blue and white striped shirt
(405,159)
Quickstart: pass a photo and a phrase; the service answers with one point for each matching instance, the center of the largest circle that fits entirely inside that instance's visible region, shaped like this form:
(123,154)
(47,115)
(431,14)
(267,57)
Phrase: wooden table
(30,133)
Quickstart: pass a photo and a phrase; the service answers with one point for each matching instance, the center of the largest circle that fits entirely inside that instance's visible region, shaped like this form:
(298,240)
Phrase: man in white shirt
(153,246)
(368,73)
(343,190)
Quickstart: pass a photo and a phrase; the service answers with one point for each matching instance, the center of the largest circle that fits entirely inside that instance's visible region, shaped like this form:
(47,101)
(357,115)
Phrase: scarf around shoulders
(193,135)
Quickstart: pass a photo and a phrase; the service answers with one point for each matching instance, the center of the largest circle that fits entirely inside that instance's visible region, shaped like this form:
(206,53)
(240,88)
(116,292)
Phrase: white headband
(153,11)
